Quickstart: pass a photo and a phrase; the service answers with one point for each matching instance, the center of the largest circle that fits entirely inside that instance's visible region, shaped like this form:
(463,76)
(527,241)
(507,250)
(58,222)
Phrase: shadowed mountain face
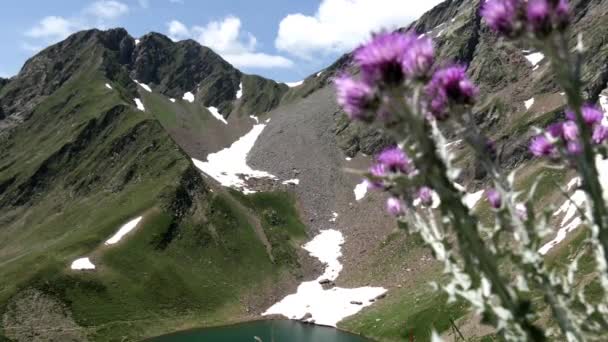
(78,159)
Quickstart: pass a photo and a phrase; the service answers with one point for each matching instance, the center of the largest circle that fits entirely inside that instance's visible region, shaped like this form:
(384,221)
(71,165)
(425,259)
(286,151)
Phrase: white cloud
(53,28)
(258,60)
(107,9)
(143,3)
(340,25)
(177,30)
(226,38)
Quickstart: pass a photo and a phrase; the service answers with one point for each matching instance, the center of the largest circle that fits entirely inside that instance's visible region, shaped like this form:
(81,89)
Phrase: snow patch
(348,158)
(188,97)
(294,181)
(326,307)
(124,230)
(229,166)
(172,100)
(239,92)
(535,58)
(216,114)
(319,73)
(439,34)
(255,118)
(139,105)
(361,190)
(137,41)
(529,103)
(471,199)
(334,217)
(82,264)
(294,84)
(145,86)
(108,86)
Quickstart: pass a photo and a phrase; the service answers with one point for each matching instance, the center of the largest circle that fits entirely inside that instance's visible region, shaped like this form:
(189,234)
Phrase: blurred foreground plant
(403,89)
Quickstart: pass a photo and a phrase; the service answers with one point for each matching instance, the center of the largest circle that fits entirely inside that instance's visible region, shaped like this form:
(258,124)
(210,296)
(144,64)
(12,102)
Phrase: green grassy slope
(83,164)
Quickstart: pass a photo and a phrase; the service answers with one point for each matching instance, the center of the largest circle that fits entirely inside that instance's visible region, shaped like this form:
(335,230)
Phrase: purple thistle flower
(556,130)
(355,97)
(541,146)
(425,194)
(449,86)
(500,15)
(419,58)
(494,198)
(377,171)
(574,148)
(394,160)
(562,14)
(438,105)
(394,206)
(381,59)
(600,134)
(539,15)
(591,114)
(570,131)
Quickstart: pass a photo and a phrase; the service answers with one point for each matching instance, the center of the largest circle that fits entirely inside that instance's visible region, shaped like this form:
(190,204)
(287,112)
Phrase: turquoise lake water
(264,331)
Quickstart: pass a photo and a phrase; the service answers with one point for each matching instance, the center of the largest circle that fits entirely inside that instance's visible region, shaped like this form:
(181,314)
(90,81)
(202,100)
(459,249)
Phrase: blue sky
(285,40)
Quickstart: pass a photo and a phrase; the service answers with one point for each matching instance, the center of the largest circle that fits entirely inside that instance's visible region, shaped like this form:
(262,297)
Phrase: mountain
(79,159)
(99,133)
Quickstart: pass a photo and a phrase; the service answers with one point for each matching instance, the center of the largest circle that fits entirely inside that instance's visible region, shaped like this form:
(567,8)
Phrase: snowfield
(334,217)
(294,84)
(140,105)
(361,190)
(216,114)
(529,103)
(239,93)
(145,86)
(124,230)
(326,307)
(229,166)
(535,58)
(188,97)
(82,264)
(294,181)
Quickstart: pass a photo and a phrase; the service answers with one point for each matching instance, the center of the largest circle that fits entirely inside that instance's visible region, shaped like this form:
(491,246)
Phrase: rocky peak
(45,72)
(175,68)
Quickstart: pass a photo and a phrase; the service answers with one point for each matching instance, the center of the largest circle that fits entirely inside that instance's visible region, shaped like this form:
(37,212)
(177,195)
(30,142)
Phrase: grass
(92,183)
(411,311)
(406,314)
(280,222)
